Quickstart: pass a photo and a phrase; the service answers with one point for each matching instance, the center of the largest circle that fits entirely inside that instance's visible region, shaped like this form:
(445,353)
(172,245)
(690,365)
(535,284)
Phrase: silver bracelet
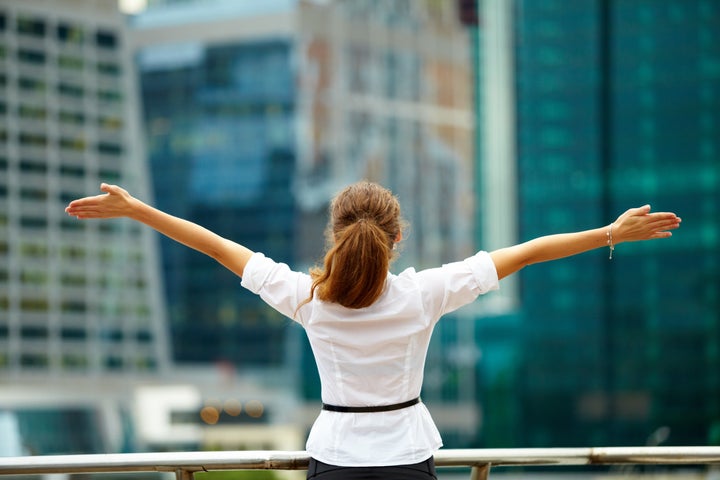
(610,241)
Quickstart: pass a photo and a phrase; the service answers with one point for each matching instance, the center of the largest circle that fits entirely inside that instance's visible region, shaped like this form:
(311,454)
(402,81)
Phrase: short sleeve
(278,285)
(484,272)
(457,284)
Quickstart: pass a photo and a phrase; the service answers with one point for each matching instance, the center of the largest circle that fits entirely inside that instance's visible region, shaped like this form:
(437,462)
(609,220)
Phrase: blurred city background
(494,121)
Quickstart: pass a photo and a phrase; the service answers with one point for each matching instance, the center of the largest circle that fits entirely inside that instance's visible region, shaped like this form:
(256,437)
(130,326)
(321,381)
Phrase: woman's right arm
(634,225)
(116,202)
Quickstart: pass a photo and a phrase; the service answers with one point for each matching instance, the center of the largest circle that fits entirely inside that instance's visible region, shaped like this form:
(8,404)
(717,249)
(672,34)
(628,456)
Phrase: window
(69,143)
(106,39)
(32,166)
(33,331)
(31,84)
(72,34)
(109,96)
(70,90)
(110,175)
(70,62)
(114,363)
(32,112)
(73,306)
(73,333)
(36,194)
(72,252)
(109,68)
(73,279)
(74,361)
(33,222)
(30,26)
(143,336)
(71,171)
(74,118)
(34,360)
(69,224)
(34,305)
(110,123)
(32,140)
(36,57)
(109,148)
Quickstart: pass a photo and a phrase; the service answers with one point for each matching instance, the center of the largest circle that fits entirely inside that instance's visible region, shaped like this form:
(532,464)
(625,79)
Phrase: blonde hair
(364,225)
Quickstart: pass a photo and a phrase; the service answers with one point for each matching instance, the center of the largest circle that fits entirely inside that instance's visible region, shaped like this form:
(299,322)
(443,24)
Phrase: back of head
(364,225)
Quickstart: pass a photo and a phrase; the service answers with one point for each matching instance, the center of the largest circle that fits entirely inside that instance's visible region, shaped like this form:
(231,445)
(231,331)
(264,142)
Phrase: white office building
(81,316)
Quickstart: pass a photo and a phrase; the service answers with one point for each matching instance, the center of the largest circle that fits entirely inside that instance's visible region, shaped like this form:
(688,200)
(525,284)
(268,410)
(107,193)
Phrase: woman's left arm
(634,225)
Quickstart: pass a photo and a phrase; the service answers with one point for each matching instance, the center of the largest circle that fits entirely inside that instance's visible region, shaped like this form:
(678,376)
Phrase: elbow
(510,260)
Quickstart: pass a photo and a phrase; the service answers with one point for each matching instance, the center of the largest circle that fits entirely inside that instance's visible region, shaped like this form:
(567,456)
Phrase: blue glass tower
(222,152)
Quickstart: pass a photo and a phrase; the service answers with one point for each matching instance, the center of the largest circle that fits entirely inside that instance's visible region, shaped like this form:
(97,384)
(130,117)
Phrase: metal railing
(185,464)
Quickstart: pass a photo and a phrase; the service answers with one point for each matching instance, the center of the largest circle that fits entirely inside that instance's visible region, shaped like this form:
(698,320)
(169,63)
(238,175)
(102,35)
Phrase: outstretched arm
(116,202)
(634,225)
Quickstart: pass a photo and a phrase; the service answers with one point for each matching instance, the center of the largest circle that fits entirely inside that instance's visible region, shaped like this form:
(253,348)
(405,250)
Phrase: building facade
(617,106)
(80,302)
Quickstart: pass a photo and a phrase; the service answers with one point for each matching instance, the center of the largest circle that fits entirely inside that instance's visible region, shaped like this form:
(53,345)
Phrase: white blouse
(374,355)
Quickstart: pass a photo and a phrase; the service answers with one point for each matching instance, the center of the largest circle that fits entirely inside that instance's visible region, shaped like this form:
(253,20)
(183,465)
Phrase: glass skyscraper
(617,106)
(221,146)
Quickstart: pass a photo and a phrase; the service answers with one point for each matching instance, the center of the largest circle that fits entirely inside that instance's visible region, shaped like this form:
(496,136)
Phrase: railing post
(480,472)
(182,474)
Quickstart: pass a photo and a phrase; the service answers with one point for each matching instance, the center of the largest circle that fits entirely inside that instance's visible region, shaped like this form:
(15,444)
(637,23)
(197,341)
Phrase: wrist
(611,238)
(135,209)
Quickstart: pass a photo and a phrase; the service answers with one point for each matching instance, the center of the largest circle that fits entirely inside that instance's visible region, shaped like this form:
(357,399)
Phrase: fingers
(112,189)
(94,206)
(85,201)
(82,208)
(664,220)
(639,224)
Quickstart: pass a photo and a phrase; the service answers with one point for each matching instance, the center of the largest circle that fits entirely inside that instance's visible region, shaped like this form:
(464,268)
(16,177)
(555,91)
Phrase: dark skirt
(417,471)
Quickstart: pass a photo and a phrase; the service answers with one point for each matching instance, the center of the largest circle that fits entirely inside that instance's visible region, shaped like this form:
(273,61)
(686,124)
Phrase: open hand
(639,224)
(116,202)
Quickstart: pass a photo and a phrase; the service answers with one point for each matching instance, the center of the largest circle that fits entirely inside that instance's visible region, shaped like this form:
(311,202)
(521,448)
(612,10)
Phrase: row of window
(393,74)
(38,305)
(76,144)
(64,62)
(73,252)
(70,333)
(41,278)
(393,13)
(64,89)
(64,32)
(34,166)
(32,222)
(66,117)
(71,361)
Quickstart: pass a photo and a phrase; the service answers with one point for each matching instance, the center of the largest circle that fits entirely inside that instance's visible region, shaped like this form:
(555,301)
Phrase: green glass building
(617,106)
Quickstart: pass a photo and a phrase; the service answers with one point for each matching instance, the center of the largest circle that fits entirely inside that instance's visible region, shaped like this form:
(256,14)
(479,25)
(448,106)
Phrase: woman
(369,329)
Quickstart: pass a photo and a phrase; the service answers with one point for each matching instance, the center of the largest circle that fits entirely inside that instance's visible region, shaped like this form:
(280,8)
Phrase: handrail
(184,464)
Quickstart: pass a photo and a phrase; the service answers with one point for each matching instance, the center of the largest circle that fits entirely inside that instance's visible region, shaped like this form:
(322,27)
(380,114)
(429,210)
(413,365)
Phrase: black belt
(380,408)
